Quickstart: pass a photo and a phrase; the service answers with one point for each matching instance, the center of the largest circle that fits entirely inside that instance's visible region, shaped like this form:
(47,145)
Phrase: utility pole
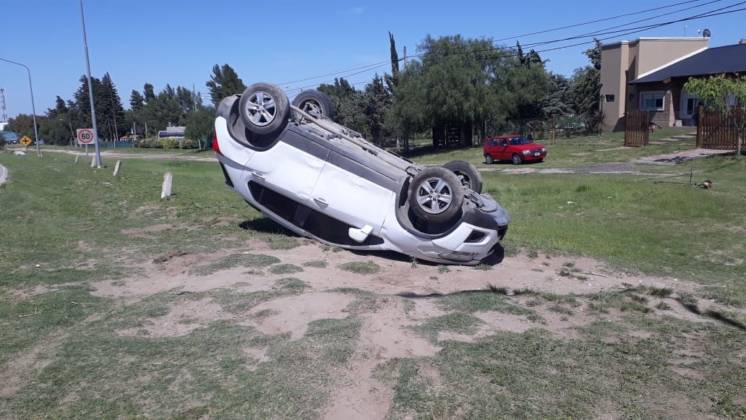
(33,106)
(90,88)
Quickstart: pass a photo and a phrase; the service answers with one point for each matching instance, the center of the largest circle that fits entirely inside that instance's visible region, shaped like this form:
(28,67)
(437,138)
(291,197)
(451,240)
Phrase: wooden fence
(636,128)
(717,130)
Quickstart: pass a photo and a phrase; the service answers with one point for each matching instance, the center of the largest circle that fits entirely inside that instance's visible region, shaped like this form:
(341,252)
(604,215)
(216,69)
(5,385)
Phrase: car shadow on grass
(268,226)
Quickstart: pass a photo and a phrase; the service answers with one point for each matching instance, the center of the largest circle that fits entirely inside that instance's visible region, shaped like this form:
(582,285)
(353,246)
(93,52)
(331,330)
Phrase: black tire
(467,174)
(422,191)
(517,159)
(261,121)
(316,103)
(488,159)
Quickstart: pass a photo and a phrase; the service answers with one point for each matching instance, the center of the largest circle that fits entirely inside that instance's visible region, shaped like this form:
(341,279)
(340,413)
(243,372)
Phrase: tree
(224,82)
(57,127)
(377,101)
(137,101)
(586,90)
(349,105)
(723,93)
(148,92)
(394,61)
(557,101)
(22,124)
(109,111)
(200,125)
(468,82)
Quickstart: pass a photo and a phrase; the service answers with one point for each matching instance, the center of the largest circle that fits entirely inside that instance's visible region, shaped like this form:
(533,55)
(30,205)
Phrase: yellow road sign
(25,140)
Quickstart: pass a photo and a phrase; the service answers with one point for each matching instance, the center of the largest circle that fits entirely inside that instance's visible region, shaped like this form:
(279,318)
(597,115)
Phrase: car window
(520,140)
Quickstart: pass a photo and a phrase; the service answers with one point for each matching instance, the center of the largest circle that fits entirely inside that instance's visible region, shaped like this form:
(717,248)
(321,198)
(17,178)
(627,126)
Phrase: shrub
(189,144)
(169,143)
(148,143)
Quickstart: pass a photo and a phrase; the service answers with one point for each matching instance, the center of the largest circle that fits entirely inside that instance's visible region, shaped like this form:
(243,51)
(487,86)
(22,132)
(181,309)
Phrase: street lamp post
(33,106)
(90,87)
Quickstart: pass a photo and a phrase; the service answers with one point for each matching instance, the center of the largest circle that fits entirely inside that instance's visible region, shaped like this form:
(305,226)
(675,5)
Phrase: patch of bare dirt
(292,314)
(515,272)
(385,335)
(256,355)
(182,318)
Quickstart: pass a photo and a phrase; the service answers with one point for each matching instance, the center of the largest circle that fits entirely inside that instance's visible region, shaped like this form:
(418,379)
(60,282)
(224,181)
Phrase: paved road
(188,156)
(3,174)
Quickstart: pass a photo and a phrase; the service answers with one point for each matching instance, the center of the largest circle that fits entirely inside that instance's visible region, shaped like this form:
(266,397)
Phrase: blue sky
(177,42)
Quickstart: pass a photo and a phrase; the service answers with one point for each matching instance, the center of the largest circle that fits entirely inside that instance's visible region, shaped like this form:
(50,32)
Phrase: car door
(347,191)
(503,151)
(288,170)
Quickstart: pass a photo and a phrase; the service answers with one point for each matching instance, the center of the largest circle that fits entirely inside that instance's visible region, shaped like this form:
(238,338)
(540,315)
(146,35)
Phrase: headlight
(526,152)
(543,149)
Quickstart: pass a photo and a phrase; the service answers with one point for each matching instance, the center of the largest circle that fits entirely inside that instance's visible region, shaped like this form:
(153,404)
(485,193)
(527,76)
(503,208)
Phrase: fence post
(701,117)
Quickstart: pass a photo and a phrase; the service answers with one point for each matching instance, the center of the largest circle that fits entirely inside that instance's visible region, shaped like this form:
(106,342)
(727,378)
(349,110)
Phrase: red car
(515,148)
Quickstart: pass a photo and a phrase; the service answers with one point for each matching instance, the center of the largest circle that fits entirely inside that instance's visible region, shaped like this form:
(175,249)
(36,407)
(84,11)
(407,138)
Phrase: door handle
(320,201)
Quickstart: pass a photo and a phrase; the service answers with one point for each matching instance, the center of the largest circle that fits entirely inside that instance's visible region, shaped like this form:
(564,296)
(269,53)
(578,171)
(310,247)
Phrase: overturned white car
(324,181)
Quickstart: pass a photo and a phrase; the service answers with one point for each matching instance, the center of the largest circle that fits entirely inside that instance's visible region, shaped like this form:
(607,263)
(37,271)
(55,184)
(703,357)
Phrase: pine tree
(148,92)
(137,101)
(394,61)
(224,82)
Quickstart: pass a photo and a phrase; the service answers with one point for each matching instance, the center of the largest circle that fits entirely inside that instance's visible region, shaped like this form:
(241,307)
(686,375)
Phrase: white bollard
(77,158)
(167,181)
(93,162)
(116,167)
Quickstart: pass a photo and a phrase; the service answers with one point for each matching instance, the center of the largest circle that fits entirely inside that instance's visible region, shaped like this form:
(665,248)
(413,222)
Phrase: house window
(610,98)
(691,105)
(652,101)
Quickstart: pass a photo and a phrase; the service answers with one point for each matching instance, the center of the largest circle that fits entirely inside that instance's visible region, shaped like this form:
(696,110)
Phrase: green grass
(533,375)
(634,223)
(574,152)
(315,264)
(358,267)
(65,226)
(285,269)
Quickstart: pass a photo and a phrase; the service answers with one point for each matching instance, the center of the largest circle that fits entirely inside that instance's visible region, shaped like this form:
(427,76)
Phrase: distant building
(3,125)
(172,132)
(649,75)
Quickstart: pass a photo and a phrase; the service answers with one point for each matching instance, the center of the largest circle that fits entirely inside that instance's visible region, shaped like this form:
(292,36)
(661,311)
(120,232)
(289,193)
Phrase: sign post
(85,137)
(26,142)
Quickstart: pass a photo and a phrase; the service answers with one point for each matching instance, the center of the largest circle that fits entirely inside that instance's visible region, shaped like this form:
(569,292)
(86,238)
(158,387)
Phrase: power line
(639,28)
(383,63)
(590,22)
(617,33)
(623,25)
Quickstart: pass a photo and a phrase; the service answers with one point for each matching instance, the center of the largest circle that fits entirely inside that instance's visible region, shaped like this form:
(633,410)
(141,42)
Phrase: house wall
(614,62)
(674,110)
(626,61)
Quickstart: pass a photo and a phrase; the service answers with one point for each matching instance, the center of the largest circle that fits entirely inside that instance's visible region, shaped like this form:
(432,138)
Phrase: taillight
(215,145)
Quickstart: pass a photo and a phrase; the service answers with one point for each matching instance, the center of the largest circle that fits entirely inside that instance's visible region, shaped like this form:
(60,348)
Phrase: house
(649,75)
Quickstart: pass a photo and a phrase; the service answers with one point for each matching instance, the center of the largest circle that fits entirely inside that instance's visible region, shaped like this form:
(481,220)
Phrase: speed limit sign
(85,136)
